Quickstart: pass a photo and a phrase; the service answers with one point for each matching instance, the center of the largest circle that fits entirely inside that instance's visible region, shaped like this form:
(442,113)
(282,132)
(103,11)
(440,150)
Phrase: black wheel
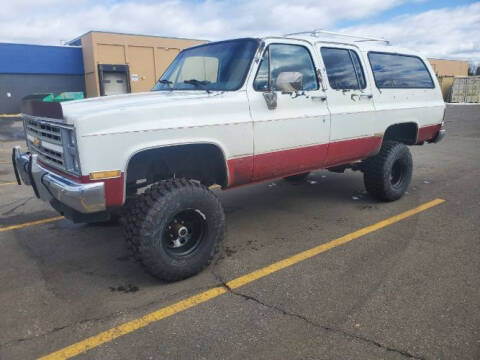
(387,175)
(297,178)
(175,228)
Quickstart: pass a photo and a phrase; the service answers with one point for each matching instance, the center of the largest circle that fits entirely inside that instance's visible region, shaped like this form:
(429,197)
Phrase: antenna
(317,32)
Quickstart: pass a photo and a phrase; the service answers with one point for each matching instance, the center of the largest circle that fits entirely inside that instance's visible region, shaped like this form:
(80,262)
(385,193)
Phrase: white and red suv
(230,113)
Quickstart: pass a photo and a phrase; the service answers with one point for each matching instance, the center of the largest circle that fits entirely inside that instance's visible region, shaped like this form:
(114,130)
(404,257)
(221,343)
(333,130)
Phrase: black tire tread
(373,169)
(139,214)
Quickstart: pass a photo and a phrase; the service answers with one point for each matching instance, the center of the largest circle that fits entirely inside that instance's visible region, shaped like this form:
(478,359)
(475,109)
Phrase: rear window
(395,71)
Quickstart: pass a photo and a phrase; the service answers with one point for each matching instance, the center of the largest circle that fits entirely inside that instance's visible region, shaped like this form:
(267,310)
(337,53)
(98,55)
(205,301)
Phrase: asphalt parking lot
(408,287)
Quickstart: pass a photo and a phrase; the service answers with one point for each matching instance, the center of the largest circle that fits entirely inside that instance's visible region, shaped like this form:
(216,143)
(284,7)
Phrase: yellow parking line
(9,115)
(8,183)
(130,326)
(31,223)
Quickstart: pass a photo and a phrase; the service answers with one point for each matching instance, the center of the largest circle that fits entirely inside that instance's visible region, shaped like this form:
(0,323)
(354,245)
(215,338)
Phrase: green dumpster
(48,97)
(69,95)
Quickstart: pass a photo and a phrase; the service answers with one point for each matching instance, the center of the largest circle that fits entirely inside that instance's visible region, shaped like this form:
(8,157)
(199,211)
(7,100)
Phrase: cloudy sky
(438,28)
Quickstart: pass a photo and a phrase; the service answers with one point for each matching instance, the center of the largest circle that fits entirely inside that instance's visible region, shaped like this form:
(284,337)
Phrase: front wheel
(387,175)
(175,228)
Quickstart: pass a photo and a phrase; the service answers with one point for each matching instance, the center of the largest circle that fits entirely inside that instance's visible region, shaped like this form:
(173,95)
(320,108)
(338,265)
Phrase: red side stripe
(427,132)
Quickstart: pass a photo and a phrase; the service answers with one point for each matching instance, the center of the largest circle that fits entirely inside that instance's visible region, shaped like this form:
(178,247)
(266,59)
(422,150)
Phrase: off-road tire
(387,175)
(297,178)
(149,216)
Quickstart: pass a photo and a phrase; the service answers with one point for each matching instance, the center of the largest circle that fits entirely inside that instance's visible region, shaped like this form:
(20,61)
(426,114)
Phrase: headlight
(72,161)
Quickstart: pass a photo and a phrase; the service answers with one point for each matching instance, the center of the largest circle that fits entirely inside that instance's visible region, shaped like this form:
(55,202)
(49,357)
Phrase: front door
(350,102)
(291,135)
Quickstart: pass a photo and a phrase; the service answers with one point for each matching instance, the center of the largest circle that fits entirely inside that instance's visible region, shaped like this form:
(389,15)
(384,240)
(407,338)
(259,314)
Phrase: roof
(364,43)
(77,40)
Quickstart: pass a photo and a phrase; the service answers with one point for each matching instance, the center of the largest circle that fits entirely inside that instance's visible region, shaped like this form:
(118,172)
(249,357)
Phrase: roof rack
(317,32)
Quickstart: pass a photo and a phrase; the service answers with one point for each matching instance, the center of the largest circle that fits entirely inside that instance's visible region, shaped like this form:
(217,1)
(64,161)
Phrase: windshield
(217,66)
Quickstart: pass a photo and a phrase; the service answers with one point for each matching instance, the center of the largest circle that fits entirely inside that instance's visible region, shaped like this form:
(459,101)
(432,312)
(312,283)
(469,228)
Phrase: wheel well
(405,133)
(203,162)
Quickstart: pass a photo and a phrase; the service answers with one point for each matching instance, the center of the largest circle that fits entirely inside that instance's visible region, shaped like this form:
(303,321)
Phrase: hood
(77,110)
(139,112)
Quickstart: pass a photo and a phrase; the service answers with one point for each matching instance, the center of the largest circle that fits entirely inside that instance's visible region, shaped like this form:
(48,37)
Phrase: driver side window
(286,68)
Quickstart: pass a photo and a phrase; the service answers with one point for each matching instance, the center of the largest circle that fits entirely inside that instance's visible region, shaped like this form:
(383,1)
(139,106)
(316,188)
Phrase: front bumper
(53,188)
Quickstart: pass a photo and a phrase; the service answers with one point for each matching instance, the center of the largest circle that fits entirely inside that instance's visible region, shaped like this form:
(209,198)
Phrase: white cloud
(442,33)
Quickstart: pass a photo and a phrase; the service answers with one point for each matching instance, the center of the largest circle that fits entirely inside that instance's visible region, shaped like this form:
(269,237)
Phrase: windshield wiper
(165,81)
(200,84)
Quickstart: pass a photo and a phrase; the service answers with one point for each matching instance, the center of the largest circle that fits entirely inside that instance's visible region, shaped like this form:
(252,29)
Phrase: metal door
(293,136)
(115,83)
(350,101)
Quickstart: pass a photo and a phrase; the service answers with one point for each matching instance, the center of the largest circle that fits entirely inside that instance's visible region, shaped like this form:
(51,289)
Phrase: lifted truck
(230,113)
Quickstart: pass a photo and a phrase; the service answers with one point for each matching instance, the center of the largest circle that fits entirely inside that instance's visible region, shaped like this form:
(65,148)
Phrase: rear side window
(395,71)
(344,69)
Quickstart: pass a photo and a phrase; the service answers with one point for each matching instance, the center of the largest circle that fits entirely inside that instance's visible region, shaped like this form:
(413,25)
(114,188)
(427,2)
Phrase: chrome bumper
(84,198)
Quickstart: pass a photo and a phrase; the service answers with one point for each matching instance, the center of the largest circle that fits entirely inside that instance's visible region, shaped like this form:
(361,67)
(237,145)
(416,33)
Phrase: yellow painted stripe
(9,115)
(31,223)
(128,327)
(8,183)
(243,280)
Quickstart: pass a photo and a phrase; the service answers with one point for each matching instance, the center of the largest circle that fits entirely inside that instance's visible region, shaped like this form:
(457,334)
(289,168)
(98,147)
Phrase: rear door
(350,103)
(291,137)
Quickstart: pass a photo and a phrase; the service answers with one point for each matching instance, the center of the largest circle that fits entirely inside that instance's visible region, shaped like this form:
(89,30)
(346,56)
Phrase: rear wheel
(387,175)
(175,228)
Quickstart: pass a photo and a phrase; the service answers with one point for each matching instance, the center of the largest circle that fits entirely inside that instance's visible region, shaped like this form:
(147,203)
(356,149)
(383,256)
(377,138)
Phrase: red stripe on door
(279,163)
(293,161)
(341,152)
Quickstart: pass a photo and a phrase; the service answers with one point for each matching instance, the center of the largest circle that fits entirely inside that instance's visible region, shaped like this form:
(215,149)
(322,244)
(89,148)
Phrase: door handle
(319,98)
(368,96)
(356,97)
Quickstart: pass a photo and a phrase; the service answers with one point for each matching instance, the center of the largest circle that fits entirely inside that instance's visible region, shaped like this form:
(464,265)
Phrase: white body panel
(110,130)
(114,128)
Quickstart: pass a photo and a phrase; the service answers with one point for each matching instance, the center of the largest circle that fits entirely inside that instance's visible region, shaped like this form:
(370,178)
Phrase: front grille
(46,140)
(43,131)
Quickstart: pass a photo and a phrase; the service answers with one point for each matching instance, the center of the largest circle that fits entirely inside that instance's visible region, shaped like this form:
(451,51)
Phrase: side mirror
(289,82)
(271,99)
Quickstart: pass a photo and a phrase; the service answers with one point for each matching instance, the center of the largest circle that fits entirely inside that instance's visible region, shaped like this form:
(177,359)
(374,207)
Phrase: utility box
(466,90)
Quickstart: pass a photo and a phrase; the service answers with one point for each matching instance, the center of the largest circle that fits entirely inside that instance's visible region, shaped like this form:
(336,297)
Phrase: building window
(397,71)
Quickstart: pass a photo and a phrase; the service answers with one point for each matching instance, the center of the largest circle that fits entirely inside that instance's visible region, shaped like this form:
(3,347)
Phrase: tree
(471,68)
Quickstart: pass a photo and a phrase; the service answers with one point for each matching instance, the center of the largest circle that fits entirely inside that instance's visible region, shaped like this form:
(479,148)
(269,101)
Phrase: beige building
(447,71)
(444,67)
(121,63)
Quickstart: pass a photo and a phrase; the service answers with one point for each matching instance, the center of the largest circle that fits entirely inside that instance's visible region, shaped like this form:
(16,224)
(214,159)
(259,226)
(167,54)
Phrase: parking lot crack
(13,209)
(303,318)
(349,335)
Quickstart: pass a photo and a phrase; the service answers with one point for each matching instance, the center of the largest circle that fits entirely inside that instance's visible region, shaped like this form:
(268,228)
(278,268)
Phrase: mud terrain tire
(174,228)
(387,175)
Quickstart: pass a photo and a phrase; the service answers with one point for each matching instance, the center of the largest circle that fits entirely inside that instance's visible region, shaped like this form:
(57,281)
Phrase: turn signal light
(99,175)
